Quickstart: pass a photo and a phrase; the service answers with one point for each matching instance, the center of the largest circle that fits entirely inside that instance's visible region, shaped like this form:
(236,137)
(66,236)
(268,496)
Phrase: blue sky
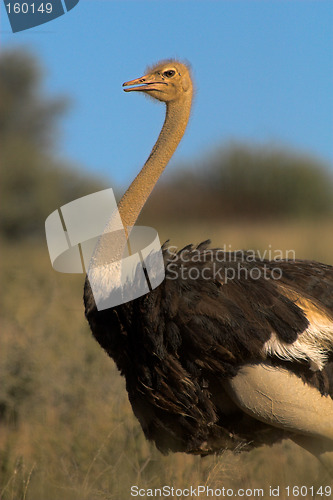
(263,73)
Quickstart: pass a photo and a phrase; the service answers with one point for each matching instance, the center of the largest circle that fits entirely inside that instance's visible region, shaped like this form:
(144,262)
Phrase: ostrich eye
(169,73)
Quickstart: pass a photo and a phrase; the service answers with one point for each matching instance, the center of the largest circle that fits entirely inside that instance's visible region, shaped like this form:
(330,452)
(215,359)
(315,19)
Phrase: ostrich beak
(144,83)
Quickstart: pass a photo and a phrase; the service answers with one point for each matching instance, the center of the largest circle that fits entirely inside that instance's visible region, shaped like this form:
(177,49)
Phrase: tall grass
(66,427)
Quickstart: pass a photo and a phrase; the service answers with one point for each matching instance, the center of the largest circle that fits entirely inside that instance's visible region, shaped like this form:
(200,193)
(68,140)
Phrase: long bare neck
(176,119)
(132,202)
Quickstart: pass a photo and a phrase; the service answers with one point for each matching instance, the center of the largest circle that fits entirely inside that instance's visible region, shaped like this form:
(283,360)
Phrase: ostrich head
(167,81)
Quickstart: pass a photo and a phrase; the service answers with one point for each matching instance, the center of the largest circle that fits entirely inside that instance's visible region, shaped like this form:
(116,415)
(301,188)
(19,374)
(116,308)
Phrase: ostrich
(210,363)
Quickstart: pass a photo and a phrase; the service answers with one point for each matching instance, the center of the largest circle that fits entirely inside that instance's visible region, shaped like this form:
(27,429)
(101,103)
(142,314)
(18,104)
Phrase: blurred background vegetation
(66,427)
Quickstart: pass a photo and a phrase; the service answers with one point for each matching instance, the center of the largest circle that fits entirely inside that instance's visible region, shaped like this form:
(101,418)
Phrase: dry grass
(66,427)
(309,239)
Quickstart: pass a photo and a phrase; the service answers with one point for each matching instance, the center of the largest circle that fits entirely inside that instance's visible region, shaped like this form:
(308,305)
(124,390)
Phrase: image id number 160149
(29,8)
(302,491)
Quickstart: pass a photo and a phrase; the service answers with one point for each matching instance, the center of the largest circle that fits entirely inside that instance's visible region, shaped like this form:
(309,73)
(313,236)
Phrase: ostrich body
(213,363)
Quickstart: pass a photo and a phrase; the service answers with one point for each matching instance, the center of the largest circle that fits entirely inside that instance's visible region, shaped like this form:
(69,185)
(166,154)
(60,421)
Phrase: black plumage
(176,344)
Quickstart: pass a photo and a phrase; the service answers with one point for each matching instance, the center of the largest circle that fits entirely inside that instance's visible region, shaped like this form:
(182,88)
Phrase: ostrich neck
(132,202)
(176,119)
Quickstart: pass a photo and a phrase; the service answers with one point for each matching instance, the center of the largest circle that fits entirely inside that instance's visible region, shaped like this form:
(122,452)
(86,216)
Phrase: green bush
(33,181)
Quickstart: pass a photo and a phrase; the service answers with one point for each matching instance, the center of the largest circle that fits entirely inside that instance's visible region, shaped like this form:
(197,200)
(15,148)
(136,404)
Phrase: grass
(66,427)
